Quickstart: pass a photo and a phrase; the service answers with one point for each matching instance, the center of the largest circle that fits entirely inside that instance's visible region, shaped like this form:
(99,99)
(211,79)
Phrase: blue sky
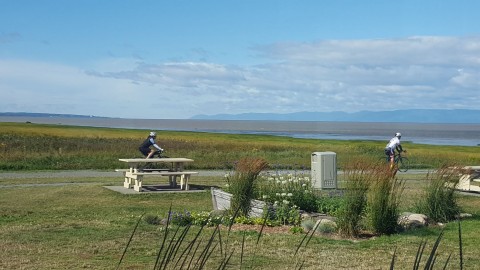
(175,59)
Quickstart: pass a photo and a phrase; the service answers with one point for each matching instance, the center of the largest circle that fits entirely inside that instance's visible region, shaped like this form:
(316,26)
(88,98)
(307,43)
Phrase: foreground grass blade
(309,235)
(392,263)
(164,237)
(446,263)
(431,258)
(204,254)
(460,245)
(419,254)
(224,263)
(169,250)
(180,241)
(129,240)
(261,230)
(188,249)
(243,246)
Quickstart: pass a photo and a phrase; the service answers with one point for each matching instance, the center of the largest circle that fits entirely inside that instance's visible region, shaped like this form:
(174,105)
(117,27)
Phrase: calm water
(434,134)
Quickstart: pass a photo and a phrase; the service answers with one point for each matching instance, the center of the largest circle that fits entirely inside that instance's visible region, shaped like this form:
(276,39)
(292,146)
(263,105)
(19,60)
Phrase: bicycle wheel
(403,164)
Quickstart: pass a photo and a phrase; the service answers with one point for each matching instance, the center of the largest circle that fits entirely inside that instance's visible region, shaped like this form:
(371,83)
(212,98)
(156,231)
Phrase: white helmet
(152,134)
(398,134)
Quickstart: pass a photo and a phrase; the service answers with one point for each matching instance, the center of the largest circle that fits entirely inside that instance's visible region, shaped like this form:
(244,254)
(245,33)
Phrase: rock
(464,215)
(412,220)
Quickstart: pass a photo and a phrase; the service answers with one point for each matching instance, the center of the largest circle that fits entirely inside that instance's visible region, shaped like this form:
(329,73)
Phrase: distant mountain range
(407,116)
(25,114)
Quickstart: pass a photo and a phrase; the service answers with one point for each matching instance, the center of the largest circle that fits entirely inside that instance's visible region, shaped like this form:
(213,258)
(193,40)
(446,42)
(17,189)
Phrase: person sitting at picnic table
(150,141)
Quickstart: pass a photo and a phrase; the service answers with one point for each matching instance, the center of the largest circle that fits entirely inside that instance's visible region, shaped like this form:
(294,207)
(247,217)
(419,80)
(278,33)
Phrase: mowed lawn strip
(88,226)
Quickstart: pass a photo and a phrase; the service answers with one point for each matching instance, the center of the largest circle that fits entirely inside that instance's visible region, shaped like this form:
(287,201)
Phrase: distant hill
(407,116)
(25,114)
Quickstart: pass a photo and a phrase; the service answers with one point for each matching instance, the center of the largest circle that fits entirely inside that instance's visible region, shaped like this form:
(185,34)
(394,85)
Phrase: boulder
(412,220)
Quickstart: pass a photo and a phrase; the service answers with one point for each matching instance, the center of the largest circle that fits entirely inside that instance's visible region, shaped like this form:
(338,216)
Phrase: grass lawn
(86,226)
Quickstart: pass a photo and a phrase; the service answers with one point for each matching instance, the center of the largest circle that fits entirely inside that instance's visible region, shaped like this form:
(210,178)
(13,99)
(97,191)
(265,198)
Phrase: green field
(26,146)
(83,225)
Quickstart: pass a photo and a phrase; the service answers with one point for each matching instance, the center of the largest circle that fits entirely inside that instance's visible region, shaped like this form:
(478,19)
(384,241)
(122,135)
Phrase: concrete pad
(155,189)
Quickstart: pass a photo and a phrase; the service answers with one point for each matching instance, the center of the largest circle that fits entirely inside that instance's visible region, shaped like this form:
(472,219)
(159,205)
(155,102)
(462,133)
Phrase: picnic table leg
(184,180)
(138,183)
(128,182)
(172,180)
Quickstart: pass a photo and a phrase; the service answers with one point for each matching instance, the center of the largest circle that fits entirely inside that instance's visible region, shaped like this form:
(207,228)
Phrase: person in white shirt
(150,141)
(392,145)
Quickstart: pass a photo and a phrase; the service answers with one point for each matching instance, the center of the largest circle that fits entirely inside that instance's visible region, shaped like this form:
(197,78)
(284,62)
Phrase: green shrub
(326,227)
(181,218)
(286,214)
(308,224)
(329,205)
(152,219)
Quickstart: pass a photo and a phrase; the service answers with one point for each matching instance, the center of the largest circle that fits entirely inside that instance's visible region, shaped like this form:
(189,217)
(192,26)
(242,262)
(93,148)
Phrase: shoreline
(428,133)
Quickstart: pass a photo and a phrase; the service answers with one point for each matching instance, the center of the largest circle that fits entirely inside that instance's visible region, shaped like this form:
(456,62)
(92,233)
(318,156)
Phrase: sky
(157,59)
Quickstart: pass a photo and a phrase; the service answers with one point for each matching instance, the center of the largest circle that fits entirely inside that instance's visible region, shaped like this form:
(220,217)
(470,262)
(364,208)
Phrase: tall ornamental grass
(439,201)
(383,199)
(357,177)
(241,184)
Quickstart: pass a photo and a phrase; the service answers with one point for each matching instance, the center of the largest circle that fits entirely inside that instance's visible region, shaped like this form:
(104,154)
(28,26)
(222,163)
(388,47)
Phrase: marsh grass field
(82,225)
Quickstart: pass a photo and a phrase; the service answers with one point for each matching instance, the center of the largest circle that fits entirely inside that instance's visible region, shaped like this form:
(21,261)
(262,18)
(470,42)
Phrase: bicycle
(158,154)
(151,166)
(401,163)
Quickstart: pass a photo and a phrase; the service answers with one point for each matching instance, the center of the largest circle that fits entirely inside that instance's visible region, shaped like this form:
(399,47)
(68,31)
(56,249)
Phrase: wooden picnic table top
(153,160)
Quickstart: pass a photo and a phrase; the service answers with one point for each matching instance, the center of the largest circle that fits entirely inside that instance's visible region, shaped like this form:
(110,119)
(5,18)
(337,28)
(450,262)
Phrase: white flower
(304,185)
(285,201)
(284,182)
(277,194)
(227,185)
(265,197)
(289,194)
(284,194)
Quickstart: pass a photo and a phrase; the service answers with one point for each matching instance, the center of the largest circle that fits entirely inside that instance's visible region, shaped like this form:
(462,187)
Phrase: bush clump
(439,201)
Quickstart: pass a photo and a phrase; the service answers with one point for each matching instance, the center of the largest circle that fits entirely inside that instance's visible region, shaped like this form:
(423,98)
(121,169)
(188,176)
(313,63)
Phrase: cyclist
(150,141)
(392,145)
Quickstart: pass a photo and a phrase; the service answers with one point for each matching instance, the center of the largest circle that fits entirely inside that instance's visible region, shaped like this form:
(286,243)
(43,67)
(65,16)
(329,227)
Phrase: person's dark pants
(145,151)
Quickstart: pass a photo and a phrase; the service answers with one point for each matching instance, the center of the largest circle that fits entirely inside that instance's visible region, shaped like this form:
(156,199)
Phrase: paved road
(93,173)
(79,173)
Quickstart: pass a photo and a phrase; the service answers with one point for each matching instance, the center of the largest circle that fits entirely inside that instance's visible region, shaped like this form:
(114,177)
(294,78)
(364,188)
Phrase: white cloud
(335,75)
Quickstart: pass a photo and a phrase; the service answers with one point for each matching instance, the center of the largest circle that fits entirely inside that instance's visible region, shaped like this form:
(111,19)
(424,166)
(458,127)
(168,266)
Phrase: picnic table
(470,179)
(133,176)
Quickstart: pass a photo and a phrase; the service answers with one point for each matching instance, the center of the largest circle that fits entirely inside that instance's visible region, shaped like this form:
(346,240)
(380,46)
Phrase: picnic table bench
(133,176)
(469,179)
